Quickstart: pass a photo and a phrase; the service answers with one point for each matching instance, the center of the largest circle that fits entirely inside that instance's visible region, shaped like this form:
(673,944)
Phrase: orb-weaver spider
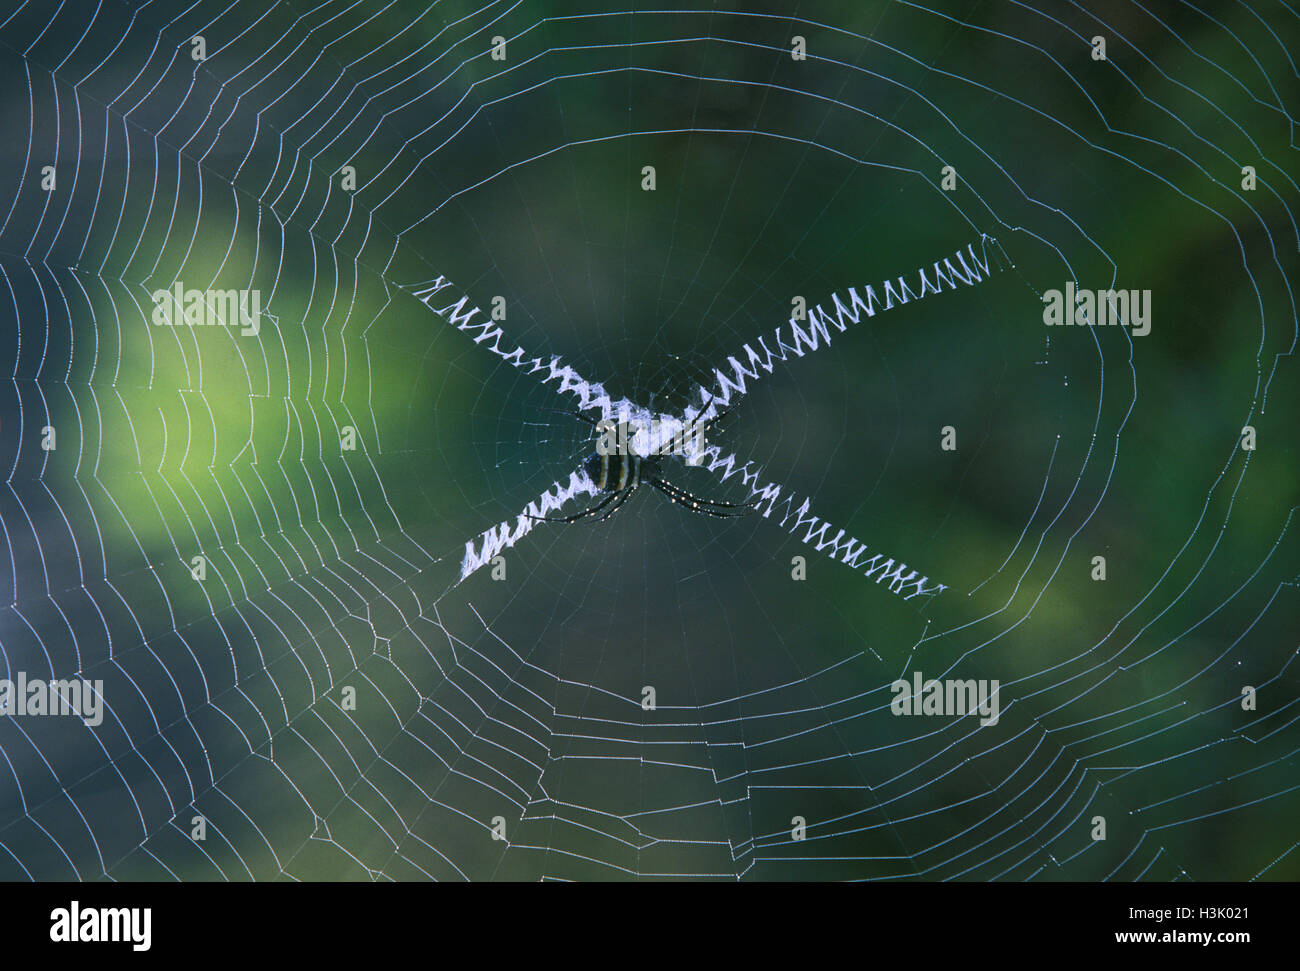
(620,472)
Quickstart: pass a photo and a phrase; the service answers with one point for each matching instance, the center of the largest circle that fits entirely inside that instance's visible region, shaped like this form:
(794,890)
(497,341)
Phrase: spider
(619,473)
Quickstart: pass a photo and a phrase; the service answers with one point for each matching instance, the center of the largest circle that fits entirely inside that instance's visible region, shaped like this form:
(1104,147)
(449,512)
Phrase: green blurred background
(775,178)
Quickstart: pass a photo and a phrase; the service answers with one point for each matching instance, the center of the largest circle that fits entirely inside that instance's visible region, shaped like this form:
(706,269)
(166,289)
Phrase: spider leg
(715,503)
(591,511)
(695,507)
(716,418)
(593,422)
(696,427)
(695,504)
(622,498)
(690,426)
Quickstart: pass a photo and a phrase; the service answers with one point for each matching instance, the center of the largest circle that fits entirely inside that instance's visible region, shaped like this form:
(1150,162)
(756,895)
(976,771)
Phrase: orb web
(292,548)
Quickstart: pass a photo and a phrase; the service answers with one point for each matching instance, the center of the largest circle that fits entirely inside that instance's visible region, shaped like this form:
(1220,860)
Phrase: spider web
(355,690)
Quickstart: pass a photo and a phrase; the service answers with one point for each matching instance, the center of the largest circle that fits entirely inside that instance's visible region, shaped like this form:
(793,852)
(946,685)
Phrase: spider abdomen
(617,474)
(615,471)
